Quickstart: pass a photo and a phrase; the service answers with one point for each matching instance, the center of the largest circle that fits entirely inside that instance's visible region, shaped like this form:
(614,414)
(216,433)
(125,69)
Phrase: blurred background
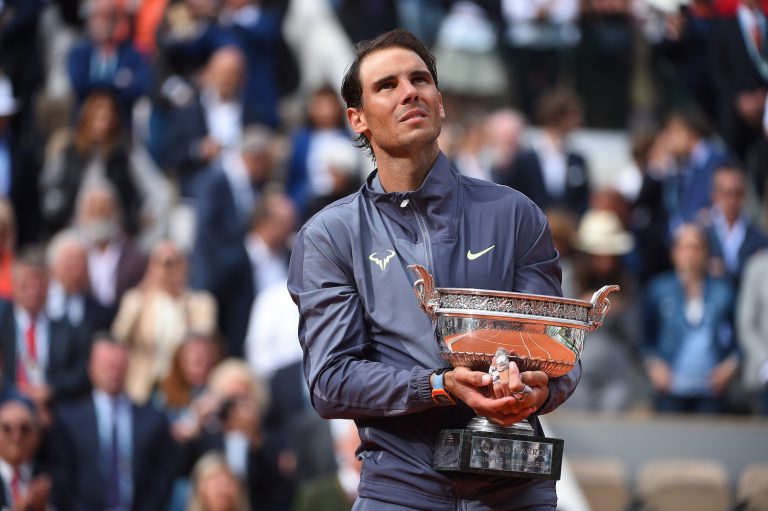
(157,158)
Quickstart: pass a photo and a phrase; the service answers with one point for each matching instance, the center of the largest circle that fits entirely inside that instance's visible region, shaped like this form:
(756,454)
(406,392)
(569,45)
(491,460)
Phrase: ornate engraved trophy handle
(600,306)
(425,290)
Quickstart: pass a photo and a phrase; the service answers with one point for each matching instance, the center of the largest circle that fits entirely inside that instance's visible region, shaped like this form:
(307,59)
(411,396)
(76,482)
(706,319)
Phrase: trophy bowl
(538,333)
(541,333)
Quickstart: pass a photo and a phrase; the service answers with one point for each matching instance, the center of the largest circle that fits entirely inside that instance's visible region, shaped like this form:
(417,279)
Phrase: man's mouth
(415,113)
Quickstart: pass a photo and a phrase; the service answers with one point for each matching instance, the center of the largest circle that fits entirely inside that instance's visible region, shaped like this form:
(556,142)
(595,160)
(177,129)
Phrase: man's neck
(405,174)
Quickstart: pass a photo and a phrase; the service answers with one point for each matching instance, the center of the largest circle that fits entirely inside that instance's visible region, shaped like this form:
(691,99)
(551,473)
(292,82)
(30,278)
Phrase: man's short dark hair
(352,89)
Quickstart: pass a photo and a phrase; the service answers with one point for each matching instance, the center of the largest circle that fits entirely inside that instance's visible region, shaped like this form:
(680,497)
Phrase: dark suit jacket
(526,177)
(220,263)
(77,448)
(754,241)
(67,357)
(130,270)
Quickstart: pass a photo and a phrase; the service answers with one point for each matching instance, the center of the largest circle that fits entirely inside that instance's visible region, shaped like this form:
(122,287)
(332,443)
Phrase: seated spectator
(689,343)
(114,262)
(45,358)
(752,325)
(155,317)
(733,236)
(225,201)
(335,492)
(69,292)
(104,61)
(611,360)
(686,166)
(211,125)
(551,174)
(97,151)
(235,429)
(215,487)
(27,483)
(308,173)
(7,248)
(504,130)
(116,454)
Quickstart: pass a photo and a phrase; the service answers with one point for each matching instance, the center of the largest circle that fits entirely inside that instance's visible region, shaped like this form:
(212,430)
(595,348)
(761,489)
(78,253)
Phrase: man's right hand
(474,389)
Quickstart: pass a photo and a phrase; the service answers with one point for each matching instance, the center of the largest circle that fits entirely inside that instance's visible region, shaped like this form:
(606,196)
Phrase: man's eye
(387,85)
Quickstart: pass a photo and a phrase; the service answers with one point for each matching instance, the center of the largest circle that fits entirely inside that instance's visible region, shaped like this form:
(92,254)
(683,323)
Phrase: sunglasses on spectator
(24,428)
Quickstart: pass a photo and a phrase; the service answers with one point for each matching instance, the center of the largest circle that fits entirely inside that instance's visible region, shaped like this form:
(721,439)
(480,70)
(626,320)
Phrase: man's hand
(37,495)
(722,374)
(475,389)
(659,374)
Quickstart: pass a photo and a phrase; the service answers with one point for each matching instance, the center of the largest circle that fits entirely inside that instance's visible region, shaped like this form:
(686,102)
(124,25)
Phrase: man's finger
(534,378)
(472,378)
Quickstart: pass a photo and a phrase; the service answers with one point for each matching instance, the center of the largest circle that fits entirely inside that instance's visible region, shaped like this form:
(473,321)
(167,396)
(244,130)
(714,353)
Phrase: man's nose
(410,92)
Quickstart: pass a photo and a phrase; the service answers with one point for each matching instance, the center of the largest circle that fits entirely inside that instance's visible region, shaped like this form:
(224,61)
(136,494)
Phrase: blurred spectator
(18,168)
(733,236)
(69,292)
(309,176)
(342,161)
(741,75)
(19,51)
(467,47)
(96,151)
(551,174)
(105,61)
(114,263)
(154,318)
(689,342)
(215,487)
(336,492)
(686,160)
(321,46)
(607,47)
(226,198)
(538,33)
(204,130)
(272,341)
(256,30)
(611,359)
(7,248)
(504,130)
(26,482)
(471,158)
(257,459)
(366,20)
(116,453)
(45,358)
(752,326)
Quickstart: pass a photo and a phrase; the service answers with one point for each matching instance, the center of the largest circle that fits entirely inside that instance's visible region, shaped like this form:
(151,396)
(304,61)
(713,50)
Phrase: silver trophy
(482,329)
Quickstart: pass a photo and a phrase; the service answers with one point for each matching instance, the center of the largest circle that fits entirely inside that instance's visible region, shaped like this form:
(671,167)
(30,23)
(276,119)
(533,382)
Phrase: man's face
(18,433)
(30,287)
(729,193)
(70,268)
(690,251)
(401,109)
(108,367)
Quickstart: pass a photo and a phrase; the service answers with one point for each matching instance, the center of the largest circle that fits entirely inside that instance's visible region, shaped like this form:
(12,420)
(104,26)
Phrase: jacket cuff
(420,378)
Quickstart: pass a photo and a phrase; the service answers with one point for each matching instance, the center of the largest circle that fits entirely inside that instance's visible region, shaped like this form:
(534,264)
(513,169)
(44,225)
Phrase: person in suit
(740,50)
(45,358)
(211,124)
(551,174)
(733,236)
(26,483)
(225,201)
(116,454)
(115,264)
(69,292)
(105,61)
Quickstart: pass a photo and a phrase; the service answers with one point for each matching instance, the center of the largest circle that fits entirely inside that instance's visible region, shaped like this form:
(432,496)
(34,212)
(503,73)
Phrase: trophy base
(498,451)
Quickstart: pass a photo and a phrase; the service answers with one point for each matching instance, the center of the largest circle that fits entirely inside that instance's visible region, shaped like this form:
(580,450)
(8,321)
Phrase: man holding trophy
(370,352)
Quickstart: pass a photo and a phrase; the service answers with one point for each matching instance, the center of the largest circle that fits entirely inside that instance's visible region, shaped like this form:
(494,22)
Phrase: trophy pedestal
(485,448)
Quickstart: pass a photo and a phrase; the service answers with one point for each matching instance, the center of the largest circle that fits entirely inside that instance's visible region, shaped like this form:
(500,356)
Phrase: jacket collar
(436,200)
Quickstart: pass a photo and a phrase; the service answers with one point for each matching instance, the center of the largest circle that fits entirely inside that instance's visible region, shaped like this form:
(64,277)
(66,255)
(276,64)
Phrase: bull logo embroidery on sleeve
(382,263)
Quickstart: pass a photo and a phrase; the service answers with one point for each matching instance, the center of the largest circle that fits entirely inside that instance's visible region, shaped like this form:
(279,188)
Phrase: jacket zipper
(425,236)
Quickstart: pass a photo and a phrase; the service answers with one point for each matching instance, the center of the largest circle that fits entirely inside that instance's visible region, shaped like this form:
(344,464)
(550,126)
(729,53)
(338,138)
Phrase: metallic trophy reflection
(481,330)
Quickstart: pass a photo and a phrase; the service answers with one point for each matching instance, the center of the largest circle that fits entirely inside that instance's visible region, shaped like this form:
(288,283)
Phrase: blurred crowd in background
(158,156)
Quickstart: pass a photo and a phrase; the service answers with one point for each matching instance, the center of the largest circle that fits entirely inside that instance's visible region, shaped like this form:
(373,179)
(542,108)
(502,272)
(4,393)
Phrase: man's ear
(440,105)
(356,119)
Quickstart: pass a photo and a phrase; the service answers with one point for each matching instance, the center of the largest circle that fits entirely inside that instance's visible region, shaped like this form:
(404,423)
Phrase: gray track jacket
(369,350)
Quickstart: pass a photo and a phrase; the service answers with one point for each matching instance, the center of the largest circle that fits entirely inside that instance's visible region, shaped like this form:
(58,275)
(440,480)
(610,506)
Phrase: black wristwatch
(439,395)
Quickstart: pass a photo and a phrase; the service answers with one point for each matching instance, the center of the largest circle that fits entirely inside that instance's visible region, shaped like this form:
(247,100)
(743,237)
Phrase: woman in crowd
(155,317)
(215,487)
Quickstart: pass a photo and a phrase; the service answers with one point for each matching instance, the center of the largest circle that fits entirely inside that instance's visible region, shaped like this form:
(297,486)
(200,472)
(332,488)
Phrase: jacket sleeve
(343,381)
(537,271)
